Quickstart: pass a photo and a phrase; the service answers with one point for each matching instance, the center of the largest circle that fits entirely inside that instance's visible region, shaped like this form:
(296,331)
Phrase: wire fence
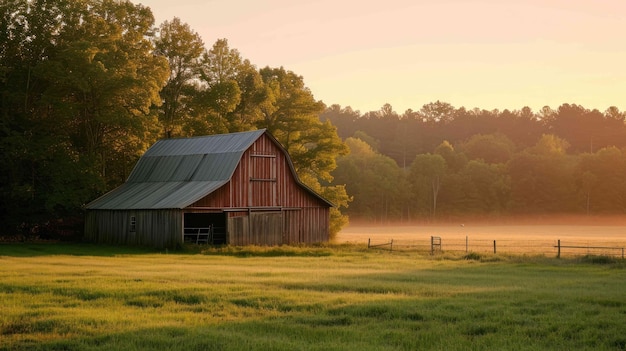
(557,248)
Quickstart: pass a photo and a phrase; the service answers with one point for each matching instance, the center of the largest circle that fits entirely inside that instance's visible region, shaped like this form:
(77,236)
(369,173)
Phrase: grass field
(341,297)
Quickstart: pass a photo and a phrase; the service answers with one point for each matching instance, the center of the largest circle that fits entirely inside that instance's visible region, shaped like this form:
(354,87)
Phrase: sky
(489,54)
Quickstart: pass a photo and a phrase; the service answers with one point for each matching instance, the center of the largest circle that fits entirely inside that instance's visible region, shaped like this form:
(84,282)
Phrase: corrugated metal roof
(175,173)
(154,195)
(220,143)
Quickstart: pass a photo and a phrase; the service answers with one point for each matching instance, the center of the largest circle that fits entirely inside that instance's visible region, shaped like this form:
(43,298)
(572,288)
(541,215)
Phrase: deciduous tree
(79,81)
(183,49)
(425,176)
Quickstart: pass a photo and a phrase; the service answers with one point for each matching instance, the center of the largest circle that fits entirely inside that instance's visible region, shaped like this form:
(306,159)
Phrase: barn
(226,189)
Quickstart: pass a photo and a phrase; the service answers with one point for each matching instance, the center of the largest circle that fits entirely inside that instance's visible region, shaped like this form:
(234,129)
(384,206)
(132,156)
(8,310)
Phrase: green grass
(83,297)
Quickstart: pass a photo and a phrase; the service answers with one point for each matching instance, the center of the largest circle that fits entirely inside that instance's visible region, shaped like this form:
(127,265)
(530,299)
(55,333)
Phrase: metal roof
(175,173)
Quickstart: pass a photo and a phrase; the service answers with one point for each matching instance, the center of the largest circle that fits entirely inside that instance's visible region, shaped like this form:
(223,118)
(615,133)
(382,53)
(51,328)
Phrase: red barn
(233,189)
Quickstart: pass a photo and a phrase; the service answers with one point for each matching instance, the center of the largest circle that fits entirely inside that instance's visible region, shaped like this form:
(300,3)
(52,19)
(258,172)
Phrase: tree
(491,148)
(454,161)
(373,143)
(375,182)
(219,90)
(291,114)
(549,145)
(79,81)
(437,112)
(345,119)
(578,125)
(601,181)
(106,79)
(425,176)
(247,113)
(542,178)
(183,49)
(488,188)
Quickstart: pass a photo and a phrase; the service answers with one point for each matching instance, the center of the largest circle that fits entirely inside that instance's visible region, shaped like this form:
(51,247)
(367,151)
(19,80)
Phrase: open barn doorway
(205,228)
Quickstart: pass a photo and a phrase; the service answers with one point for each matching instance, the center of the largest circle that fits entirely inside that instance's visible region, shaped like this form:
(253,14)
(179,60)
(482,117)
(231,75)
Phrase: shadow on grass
(71,249)
(87,249)
(268,251)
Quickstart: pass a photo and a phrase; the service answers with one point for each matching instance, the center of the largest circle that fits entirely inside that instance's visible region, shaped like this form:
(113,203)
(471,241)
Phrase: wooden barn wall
(263,178)
(279,227)
(258,228)
(155,228)
(263,181)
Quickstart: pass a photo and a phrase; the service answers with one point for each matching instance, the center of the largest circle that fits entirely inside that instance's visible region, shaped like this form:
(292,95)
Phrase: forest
(443,162)
(86,86)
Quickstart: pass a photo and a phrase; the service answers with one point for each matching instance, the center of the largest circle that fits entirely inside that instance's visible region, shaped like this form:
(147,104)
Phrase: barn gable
(226,181)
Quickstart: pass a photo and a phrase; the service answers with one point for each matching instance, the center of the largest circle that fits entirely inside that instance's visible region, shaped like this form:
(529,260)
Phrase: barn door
(266,228)
(291,231)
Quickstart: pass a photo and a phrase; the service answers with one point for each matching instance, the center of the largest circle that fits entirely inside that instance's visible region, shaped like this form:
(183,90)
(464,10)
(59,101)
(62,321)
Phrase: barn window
(263,167)
(133,224)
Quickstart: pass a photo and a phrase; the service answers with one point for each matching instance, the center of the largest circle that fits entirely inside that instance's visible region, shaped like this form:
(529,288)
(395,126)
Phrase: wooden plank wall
(278,228)
(264,180)
(154,228)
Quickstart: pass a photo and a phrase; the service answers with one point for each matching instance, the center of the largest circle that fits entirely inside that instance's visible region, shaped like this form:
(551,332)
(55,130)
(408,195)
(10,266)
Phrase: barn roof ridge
(205,144)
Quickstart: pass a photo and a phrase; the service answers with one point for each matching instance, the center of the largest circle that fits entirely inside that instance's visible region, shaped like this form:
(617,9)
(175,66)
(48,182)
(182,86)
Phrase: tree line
(86,86)
(444,162)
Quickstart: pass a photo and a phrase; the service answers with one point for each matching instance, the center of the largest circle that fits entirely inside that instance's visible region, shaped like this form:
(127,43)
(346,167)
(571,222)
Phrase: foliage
(426,176)
(183,49)
(371,179)
(79,80)
(496,163)
(542,178)
(491,148)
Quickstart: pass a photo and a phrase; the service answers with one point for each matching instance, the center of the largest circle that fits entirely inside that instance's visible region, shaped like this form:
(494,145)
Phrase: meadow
(334,297)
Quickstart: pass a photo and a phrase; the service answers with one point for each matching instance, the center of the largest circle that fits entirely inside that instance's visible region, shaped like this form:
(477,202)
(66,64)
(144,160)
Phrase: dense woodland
(442,162)
(86,86)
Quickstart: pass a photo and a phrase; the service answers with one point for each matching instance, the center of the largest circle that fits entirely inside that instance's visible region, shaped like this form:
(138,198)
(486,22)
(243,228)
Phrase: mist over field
(518,236)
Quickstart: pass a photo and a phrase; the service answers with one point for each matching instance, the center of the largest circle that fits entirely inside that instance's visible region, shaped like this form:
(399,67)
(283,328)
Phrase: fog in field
(580,228)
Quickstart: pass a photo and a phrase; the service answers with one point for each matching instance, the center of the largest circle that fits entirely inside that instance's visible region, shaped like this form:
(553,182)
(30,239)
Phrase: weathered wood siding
(263,182)
(263,178)
(258,228)
(155,228)
(278,227)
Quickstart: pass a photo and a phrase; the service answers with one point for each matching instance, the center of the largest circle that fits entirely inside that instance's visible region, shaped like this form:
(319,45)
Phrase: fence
(381,246)
(437,244)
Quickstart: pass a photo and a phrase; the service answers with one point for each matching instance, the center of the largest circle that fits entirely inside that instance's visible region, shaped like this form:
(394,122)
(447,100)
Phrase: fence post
(391,246)
(494,246)
(432,245)
(558,251)
(368,242)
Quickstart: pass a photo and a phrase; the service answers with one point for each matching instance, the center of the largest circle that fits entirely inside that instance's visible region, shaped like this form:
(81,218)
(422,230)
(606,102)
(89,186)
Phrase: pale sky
(503,54)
